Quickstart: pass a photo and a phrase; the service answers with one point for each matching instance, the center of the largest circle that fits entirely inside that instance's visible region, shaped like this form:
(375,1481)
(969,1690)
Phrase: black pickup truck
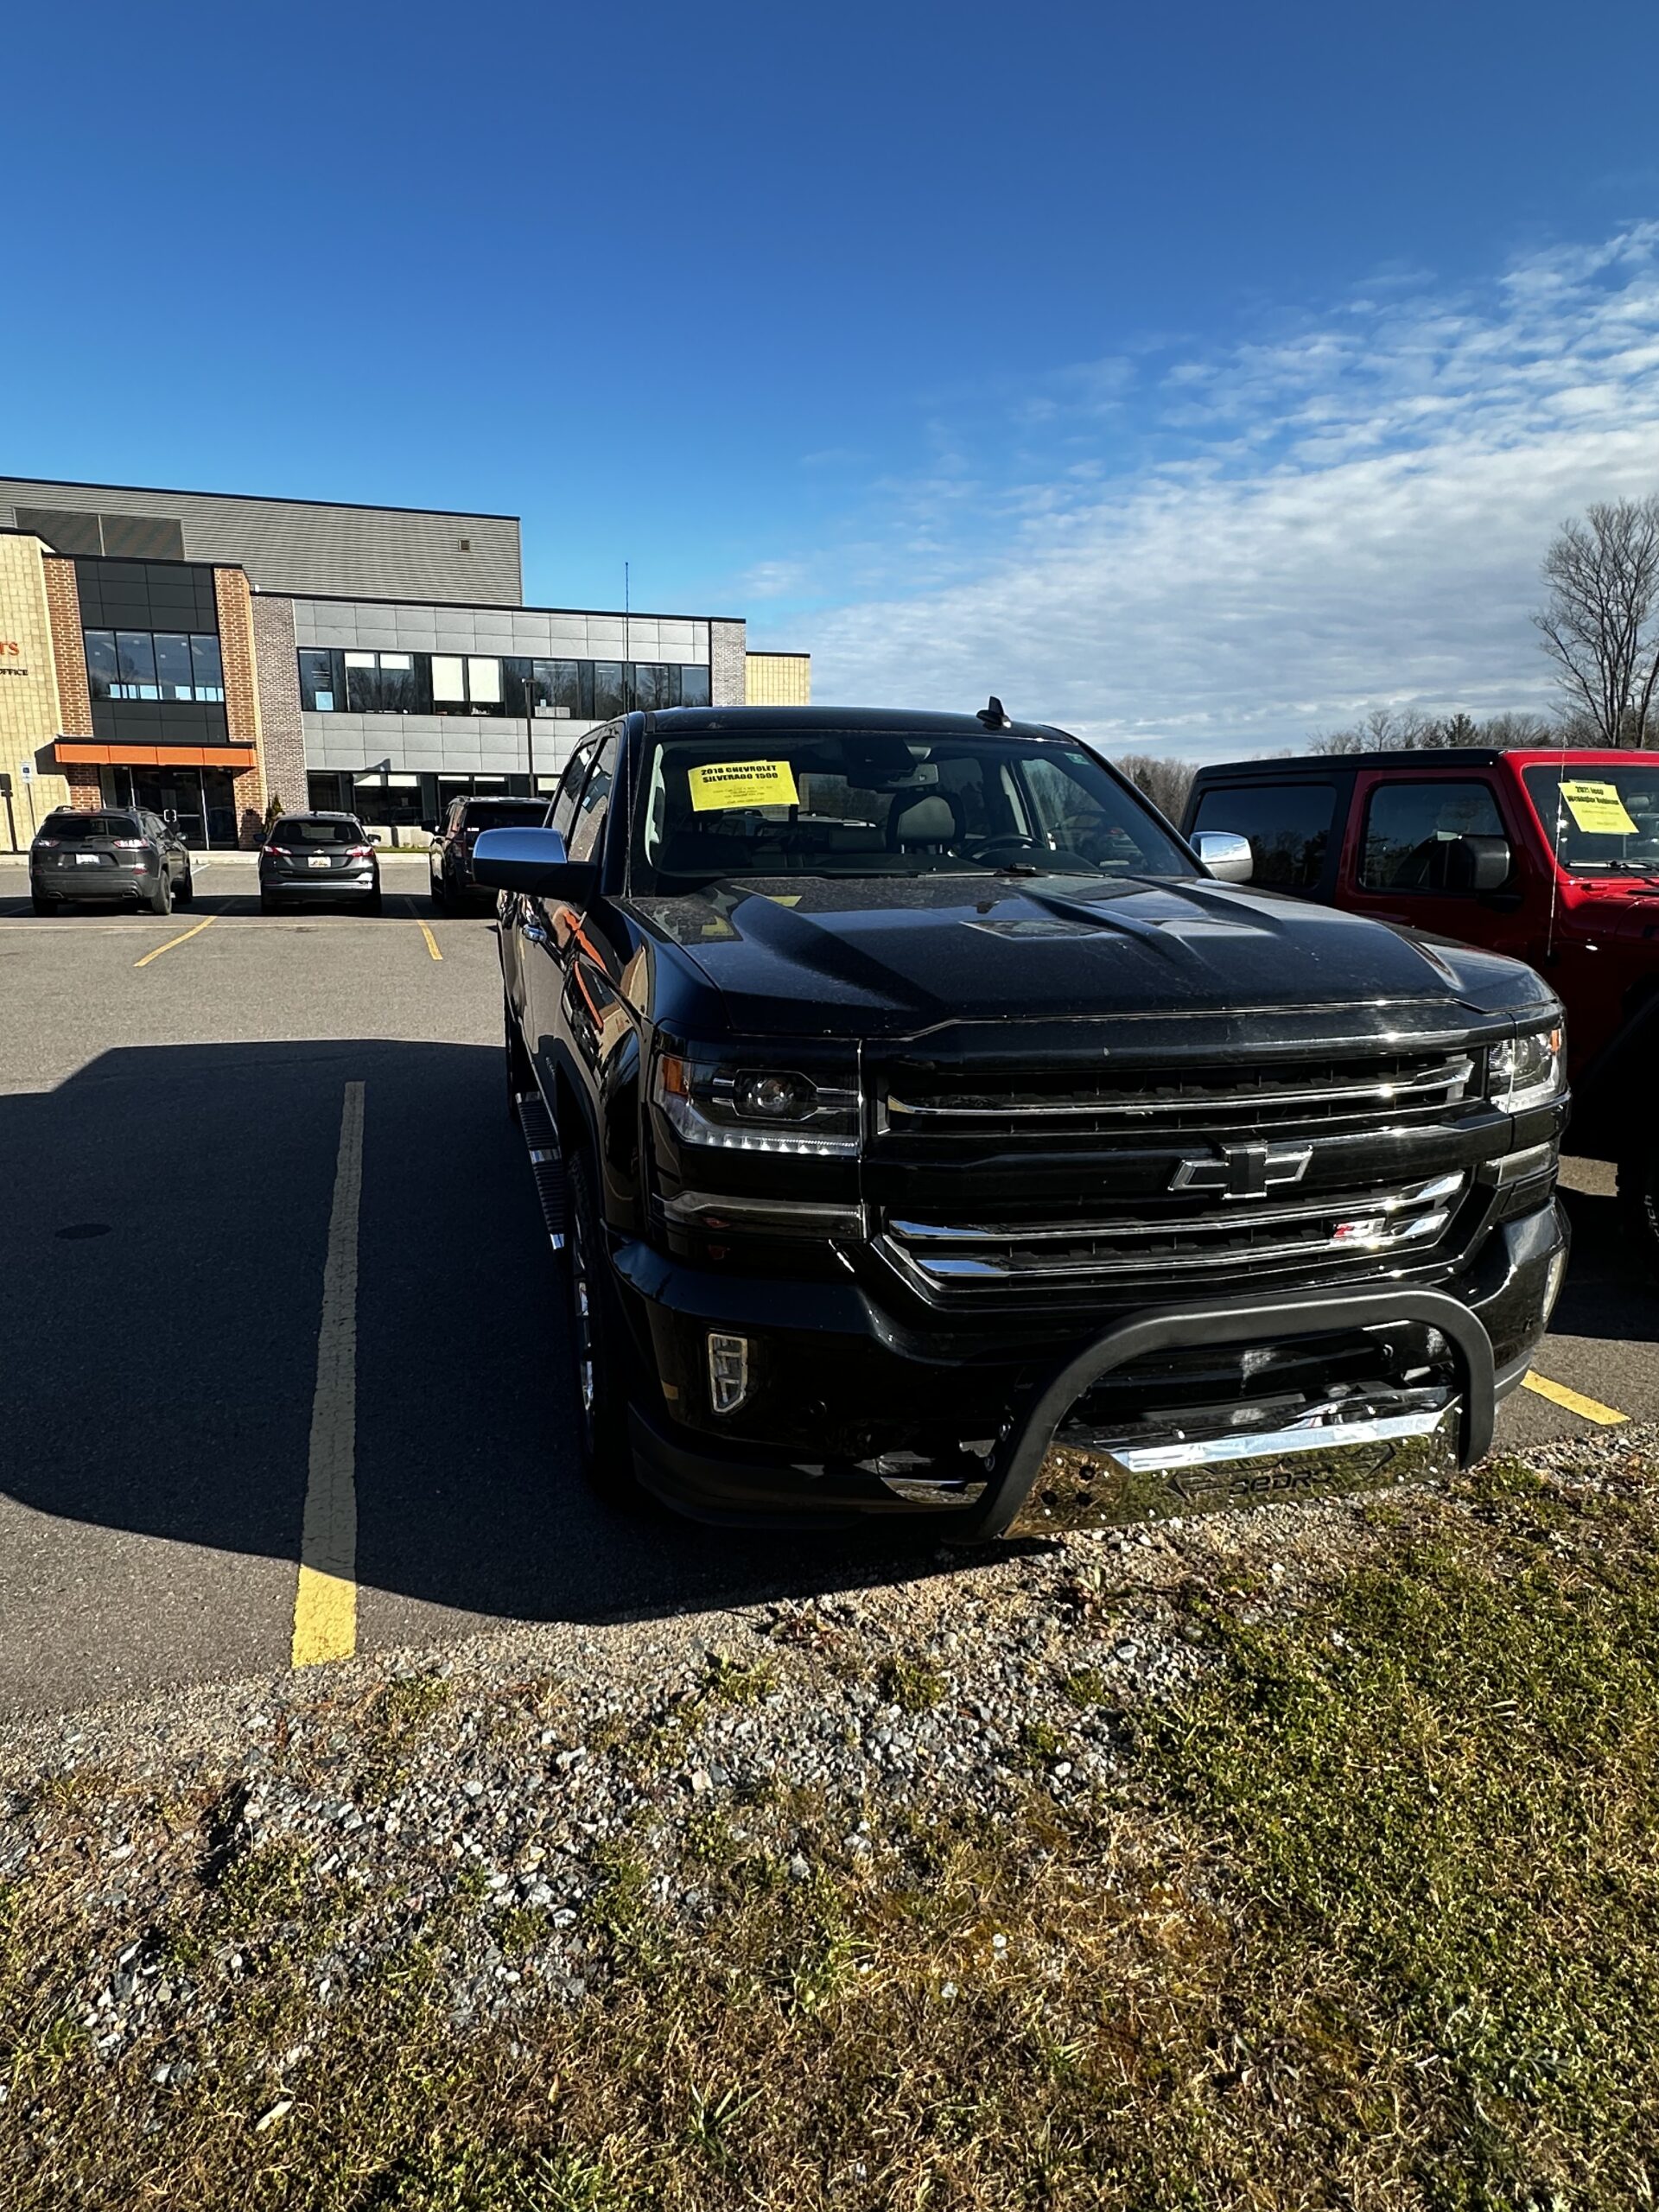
(926,1129)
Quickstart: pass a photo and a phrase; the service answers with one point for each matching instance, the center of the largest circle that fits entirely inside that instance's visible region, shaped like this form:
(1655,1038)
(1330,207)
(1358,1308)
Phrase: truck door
(1417,844)
(571,969)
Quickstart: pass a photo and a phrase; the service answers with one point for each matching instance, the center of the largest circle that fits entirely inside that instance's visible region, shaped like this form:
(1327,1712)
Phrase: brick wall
(242,719)
(728,663)
(68,654)
(277,673)
(778,679)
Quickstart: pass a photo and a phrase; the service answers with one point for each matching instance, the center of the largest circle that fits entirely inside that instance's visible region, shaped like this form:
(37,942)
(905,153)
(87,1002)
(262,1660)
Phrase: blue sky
(1204,375)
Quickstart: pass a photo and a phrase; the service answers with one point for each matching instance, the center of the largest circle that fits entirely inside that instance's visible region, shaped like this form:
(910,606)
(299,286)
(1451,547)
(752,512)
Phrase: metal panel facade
(298,545)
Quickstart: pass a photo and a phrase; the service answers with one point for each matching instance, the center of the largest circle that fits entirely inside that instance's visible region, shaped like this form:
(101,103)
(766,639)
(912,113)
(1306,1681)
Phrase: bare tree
(1164,782)
(1601,626)
(1387,730)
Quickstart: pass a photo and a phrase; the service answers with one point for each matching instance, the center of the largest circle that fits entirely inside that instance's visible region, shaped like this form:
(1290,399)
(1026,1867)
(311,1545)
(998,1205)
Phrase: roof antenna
(993,715)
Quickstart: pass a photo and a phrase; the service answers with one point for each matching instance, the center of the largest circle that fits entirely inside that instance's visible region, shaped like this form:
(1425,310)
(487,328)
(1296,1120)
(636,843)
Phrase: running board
(546,1163)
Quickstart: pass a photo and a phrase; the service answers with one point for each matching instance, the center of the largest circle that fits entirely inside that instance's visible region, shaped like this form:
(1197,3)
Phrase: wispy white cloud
(1346,511)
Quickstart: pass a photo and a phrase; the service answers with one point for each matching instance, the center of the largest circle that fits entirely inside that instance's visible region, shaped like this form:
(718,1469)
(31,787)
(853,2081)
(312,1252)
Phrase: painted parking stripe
(431,941)
(184,939)
(325,1599)
(1574,1400)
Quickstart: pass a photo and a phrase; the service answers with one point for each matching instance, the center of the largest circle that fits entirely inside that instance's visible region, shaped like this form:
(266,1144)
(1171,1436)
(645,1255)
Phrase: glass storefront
(202,799)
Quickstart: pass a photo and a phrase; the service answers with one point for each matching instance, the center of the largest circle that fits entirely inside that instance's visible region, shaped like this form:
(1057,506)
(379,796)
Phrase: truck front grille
(1333,1229)
(1036,1106)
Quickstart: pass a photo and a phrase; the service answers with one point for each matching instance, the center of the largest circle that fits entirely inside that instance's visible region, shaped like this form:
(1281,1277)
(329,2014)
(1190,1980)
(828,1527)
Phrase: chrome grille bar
(944,1255)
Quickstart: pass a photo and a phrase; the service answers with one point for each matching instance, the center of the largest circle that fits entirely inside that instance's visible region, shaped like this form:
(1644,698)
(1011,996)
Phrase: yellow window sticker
(742,783)
(1598,808)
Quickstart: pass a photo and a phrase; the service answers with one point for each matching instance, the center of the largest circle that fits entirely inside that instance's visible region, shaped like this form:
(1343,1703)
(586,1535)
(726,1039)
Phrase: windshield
(1604,818)
(843,803)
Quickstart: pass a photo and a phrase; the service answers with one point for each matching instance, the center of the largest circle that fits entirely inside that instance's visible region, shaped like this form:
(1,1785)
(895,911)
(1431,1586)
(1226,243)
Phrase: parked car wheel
(161,899)
(185,895)
(374,902)
(268,904)
(1638,1187)
(41,904)
(599,1364)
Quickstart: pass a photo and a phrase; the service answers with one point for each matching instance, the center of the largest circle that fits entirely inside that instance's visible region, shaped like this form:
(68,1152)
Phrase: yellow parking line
(431,941)
(1559,1395)
(182,939)
(325,1599)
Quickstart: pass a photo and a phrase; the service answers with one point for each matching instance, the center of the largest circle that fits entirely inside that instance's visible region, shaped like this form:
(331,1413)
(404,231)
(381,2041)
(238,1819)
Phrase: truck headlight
(1528,1071)
(739,1103)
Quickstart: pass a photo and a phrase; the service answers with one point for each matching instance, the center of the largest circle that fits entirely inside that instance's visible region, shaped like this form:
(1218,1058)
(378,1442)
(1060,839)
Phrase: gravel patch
(499,1791)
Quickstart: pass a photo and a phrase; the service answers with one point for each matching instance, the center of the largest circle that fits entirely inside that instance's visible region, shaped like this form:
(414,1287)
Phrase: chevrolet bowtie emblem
(1242,1171)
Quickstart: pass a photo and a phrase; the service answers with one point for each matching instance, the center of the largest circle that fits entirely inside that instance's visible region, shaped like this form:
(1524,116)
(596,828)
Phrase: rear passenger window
(1288,826)
(1413,833)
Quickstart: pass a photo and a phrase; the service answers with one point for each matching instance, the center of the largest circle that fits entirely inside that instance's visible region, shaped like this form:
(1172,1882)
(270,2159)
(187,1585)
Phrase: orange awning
(83,751)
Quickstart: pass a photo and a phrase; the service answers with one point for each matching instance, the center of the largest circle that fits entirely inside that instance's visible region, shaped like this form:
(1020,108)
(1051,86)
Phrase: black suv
(312,856)
(119,852)
(449,857)
(921,1103)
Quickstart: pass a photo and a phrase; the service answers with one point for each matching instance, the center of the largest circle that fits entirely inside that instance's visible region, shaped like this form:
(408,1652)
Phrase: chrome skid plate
(1089,1481)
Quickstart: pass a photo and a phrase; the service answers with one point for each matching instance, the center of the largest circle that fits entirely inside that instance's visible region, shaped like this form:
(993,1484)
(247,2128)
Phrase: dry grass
(1374,1923)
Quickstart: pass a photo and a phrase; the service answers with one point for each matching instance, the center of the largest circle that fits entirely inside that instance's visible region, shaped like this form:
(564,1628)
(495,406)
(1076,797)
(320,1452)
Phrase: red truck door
(1418,841)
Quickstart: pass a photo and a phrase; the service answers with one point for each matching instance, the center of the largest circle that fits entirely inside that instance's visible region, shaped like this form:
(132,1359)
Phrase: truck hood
(894,955)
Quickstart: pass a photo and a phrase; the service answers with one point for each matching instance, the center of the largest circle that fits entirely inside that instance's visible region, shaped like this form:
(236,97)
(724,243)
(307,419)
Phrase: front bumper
(832,1463)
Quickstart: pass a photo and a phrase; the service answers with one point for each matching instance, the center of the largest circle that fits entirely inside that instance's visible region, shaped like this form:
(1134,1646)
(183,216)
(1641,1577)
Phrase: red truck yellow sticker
(742,783)
(1598,808)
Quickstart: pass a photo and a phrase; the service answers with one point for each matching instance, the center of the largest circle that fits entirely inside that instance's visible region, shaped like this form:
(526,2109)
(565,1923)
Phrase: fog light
(1554,1280)
(728,1372)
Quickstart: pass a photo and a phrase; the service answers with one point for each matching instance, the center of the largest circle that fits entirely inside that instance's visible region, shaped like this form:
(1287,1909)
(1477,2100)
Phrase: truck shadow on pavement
(162,1257)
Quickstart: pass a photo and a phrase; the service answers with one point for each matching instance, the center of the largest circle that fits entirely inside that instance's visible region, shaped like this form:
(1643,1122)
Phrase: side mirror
(533,860)
(1225,856)
(1478,864)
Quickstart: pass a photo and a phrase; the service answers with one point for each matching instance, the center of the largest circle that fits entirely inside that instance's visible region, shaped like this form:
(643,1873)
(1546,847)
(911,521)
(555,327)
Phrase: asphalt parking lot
(180,1138)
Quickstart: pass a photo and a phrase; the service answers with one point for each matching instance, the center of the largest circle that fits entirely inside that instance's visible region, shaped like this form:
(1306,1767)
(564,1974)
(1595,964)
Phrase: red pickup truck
(1550,856)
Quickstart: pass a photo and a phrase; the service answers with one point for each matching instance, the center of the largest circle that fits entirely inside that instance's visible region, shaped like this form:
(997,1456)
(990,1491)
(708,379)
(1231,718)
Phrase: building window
(152,664)
(322,681)
(609,697)
(383,684)
(466,684)
(653,686)
(474,684)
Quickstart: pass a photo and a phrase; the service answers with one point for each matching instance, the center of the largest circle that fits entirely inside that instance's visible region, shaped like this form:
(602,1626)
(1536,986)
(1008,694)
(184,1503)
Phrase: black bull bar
(1321,1460)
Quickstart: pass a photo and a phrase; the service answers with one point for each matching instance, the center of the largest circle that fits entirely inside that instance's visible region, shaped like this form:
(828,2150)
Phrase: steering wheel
(1011,850)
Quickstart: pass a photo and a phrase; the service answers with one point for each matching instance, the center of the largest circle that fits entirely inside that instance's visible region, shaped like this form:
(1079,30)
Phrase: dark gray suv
(318,857)
(120,852)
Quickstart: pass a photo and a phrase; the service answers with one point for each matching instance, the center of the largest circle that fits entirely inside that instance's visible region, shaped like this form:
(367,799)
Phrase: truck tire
(600,1366)
(1638,1190)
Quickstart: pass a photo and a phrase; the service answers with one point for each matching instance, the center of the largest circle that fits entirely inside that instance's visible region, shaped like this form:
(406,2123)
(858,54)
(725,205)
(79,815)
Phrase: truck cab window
(1288,826)
(1412,832)
(595,804)
(564,806)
